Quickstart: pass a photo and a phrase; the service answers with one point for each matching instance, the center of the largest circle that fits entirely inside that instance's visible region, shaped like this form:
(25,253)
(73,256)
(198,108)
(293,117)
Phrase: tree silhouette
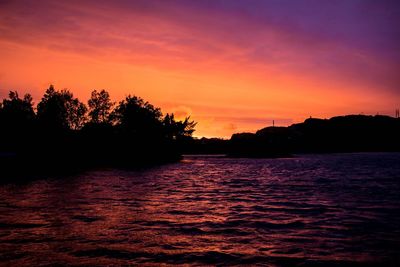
(16,111)
(76,111)
(178,129)
(17,119)
(100,107)
(186,127)
(60,137)
(138,117)
(60,110)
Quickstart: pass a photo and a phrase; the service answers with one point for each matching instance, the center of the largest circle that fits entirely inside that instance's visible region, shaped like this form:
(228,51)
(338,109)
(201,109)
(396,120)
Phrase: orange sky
(228,67)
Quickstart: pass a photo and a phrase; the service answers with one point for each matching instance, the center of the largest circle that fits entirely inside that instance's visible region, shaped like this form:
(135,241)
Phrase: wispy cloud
(292,56)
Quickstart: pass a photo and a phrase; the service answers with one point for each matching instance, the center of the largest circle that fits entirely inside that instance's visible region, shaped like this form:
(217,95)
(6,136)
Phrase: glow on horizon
(228,65)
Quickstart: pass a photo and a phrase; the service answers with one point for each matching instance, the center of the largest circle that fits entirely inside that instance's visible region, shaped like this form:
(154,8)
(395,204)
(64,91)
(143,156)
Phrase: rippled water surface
(329,210)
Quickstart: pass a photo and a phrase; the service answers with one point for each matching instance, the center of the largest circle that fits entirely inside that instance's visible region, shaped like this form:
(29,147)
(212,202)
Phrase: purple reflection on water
(315,210)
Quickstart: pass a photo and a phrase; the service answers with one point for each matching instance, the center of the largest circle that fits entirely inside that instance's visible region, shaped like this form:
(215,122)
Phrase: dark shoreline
(14,170)
(344,134)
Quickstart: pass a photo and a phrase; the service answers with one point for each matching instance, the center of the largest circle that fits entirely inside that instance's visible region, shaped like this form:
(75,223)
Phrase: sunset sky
(233,66)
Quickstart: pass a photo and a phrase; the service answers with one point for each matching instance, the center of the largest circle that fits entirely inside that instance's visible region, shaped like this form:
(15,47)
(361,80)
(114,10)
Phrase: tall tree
(138,116)
(60,110)
(76,112)
(100,107)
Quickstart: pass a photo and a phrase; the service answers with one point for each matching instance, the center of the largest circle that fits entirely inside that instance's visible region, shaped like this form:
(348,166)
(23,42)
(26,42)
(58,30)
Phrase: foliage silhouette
(65,135)
(139,118)
(60,110)
(100,107)
(178,130)
(16,119)
(16,111)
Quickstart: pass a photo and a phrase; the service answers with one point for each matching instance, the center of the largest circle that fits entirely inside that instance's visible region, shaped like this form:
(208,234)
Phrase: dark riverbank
(63,135)
(352,133)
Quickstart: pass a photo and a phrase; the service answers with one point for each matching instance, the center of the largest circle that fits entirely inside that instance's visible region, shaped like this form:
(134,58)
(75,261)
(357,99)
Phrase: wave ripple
(330,210)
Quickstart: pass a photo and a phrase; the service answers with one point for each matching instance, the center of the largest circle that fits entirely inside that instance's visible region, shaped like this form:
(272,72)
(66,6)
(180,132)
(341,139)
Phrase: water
(326,210)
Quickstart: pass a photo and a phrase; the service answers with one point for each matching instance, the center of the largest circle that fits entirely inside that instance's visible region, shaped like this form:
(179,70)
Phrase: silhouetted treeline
(62,133)
(352,133)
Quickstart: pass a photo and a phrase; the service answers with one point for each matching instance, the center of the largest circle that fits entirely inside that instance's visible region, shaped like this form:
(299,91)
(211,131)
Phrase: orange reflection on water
(207,211)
